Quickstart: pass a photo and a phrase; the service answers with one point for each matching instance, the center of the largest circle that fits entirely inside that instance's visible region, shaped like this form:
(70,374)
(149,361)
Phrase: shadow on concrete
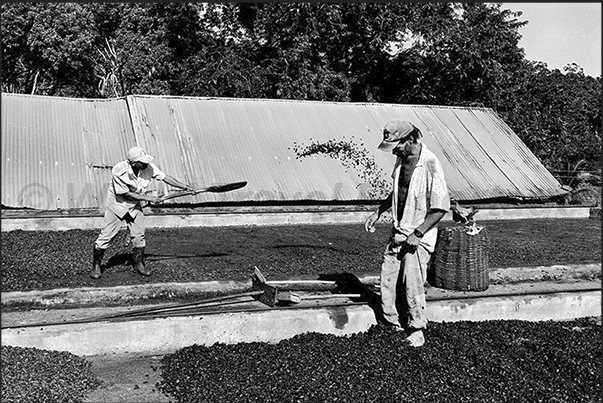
(348,283)
(345,283)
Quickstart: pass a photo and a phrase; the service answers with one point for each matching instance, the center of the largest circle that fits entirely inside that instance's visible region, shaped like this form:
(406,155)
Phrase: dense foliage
(412,53)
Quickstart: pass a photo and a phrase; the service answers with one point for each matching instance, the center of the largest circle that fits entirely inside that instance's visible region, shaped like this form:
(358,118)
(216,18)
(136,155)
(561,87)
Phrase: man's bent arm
(385,205)
(141,197)
(170,180)
(431,219)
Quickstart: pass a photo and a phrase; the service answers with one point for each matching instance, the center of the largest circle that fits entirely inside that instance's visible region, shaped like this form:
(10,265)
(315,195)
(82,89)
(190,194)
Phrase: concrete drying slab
(21,318)
(55,222)
(165,335)
(528,293)
(127,378)
(124,295)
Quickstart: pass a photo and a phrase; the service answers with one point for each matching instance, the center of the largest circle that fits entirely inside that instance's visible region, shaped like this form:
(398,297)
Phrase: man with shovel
(129,181)
(419,200)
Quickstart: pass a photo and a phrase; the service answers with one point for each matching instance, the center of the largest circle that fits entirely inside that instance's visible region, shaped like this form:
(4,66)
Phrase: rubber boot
(138,260)
(97,259)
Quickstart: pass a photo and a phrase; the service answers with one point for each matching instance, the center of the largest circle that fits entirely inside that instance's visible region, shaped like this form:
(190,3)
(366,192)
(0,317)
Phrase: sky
(561,33)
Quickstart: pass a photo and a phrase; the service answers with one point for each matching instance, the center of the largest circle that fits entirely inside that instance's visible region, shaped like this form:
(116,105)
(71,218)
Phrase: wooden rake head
(268,293)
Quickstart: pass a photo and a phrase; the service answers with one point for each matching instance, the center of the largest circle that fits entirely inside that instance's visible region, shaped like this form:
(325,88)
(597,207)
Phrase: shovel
(219,188)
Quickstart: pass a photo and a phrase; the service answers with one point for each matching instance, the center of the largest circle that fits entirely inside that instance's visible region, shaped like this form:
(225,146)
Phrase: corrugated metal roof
(57,153)
(224,140)
(204,141)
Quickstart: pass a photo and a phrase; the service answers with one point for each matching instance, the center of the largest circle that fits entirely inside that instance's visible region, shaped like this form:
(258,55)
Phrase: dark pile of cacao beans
(34,375)
(35,260)
(491,361)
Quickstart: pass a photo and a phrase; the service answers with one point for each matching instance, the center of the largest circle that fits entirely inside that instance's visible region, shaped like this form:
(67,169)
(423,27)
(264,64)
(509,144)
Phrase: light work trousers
(403,277)
(113,224)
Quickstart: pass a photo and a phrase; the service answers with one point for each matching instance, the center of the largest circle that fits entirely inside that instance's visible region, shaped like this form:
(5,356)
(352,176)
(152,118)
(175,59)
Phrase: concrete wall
(166,335)
(217,219)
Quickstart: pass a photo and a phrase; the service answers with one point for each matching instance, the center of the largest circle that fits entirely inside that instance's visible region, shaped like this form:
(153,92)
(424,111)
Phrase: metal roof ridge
(217,98)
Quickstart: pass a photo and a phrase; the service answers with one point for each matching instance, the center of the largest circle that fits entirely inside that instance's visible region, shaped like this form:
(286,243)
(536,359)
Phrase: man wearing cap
(418,201)
(129,181)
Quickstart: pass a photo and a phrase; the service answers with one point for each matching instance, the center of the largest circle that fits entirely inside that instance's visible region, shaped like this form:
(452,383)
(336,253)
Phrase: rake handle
(214,188)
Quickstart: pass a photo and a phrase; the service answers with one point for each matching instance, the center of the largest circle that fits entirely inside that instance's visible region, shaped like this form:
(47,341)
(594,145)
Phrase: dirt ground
(62,259)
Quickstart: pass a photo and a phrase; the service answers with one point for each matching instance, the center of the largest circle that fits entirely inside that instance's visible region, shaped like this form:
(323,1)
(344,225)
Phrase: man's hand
(154,199)
(413,241)
(170,180)
(369,224)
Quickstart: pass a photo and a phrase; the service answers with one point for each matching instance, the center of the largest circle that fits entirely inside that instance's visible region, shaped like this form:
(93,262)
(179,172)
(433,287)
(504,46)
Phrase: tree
(455,54)
(46,47)
(557,115)
(224,63)
(317,51)
(142,46)
(91,50)
(410,53)
(346,43)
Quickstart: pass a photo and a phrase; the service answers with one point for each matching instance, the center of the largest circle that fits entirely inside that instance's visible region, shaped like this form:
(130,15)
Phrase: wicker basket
(460,260)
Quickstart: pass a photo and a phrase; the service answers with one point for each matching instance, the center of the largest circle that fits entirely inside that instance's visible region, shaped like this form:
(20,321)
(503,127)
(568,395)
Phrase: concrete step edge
(97,338)
(131,293)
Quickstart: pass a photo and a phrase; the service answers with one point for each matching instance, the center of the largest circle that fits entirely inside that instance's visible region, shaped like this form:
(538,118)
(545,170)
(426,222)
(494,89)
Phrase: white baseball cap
(137,154)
